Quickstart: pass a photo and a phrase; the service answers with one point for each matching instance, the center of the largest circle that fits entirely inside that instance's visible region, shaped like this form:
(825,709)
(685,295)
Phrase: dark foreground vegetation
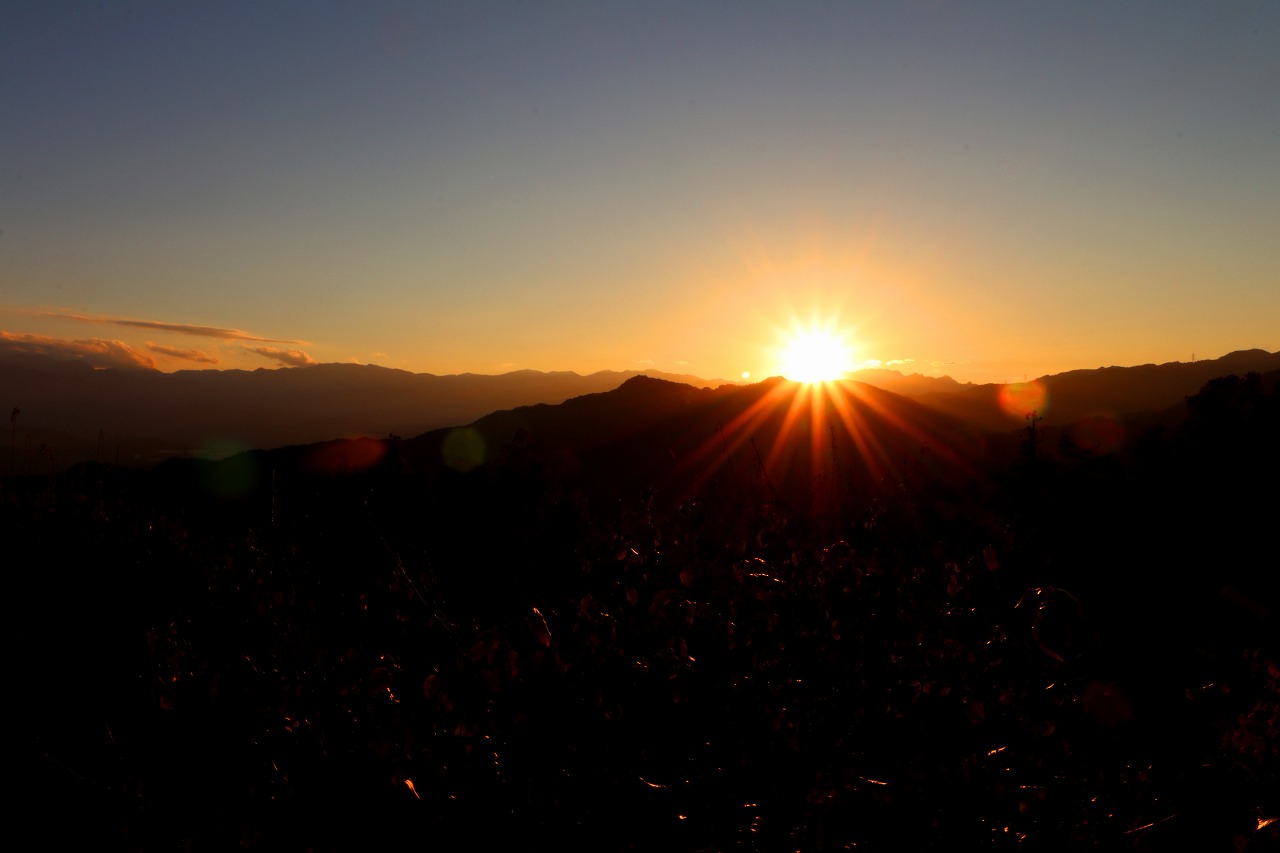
(1074,651)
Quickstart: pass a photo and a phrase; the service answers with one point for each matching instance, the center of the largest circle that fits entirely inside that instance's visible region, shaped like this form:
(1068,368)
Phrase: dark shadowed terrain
(666,617)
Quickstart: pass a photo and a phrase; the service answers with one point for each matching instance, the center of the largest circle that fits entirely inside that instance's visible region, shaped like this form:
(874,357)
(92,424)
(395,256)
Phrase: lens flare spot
(232,470)
(1020,399)
(463,449)
(345,457)
(220,448)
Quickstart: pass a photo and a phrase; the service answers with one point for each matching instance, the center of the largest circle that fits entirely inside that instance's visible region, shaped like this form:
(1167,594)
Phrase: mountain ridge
(1103,391)
(147,416)
(141,417)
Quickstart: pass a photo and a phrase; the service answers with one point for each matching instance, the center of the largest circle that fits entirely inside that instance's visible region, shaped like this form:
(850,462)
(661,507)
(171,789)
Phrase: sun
(815,354)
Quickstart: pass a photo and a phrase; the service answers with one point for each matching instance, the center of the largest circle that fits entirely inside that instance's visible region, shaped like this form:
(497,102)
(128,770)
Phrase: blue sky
(988,190)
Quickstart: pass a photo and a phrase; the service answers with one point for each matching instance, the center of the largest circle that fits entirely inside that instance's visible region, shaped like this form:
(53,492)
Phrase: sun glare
(815,354)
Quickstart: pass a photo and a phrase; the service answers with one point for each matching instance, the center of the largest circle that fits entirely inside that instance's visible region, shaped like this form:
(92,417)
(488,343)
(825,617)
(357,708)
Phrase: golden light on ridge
(811,442)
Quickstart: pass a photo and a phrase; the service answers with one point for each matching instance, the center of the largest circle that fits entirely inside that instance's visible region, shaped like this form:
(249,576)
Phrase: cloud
(648,362)
(93,351)
(180,328)
(184,354)
(289,357)
(880,364)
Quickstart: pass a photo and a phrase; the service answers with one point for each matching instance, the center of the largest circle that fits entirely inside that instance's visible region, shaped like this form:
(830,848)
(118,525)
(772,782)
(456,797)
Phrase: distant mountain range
(1076,394)
(142,417)
(776,436)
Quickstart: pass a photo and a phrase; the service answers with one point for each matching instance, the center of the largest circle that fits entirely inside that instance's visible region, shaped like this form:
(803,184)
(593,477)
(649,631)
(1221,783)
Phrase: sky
(990,191)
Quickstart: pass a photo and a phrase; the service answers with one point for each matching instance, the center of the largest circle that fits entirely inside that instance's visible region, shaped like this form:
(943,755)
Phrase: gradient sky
(986,190)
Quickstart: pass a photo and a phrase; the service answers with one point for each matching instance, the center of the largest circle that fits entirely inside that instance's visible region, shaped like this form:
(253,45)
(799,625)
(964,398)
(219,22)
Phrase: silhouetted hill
(776,437)
(1104,391)
(141,416)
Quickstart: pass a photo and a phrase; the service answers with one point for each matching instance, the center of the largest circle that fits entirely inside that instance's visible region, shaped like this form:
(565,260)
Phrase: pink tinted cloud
(288,357)
(181,328)
(195,355)
(93,351)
